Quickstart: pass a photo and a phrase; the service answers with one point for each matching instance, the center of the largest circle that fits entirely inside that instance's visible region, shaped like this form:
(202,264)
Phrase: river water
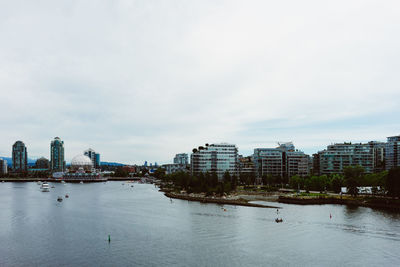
(149,229)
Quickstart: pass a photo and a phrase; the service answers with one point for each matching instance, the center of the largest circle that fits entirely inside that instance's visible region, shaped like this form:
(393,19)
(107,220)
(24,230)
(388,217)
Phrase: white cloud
(143,80)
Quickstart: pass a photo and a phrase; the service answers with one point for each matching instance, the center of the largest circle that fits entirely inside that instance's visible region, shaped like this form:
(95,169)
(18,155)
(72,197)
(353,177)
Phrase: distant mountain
(31,162)
(111,163)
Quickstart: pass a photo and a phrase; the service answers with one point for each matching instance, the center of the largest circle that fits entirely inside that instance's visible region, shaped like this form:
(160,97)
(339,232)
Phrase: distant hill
(111,163)
(31,162)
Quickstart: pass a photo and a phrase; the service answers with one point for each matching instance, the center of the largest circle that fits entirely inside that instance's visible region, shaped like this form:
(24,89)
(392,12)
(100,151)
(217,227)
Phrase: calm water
(147,229)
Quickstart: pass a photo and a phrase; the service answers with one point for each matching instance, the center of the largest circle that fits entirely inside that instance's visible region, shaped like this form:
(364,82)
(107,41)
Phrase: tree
(393,182)
(353,176)
(296,182)
(337,183)
(234,182)
(227,177)
(159,173)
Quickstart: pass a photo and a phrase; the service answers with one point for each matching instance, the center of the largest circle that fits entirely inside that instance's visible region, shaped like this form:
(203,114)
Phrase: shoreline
(375,203)
(234,202)
(35,179)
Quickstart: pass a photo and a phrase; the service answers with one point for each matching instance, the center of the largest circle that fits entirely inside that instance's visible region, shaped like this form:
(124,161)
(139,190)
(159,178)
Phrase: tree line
(353,177)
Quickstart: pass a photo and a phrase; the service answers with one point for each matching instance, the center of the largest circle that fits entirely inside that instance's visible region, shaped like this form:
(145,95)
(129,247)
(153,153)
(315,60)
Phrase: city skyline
(144,81)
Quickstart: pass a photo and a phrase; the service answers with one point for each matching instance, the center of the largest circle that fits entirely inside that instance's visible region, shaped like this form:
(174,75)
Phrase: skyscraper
(19,157)
(3,166)
(57,163)
(94,157)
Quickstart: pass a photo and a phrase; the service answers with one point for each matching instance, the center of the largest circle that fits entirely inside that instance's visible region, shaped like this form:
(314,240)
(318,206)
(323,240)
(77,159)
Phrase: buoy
(330,216)
(109,238)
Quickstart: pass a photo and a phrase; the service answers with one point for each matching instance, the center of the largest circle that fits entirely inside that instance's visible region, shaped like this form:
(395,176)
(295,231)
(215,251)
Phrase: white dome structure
(81,161)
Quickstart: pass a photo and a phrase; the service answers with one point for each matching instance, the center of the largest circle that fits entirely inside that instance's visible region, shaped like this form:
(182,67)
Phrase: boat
(59,199)
(53,186)
(45,187)
(39,182)
(278,220)
(66,196)
(63,182)
(81,182)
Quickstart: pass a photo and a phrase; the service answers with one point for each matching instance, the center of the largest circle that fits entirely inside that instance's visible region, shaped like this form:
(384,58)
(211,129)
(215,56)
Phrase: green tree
(353,176)
(393,182)
(159,173)
(296,182)
(336,183)
(234,181)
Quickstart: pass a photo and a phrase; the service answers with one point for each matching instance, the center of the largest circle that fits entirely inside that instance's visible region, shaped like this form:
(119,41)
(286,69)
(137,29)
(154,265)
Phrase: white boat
(81,182)
(39,182)
(45,187)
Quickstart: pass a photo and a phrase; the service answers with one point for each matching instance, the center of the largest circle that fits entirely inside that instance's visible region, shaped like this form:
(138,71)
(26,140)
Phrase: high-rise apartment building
(3,166)
(94,157)
(181,159)
(57,163)
(392,153)
(338,156)
(19,157)
(218,158)
(283,161)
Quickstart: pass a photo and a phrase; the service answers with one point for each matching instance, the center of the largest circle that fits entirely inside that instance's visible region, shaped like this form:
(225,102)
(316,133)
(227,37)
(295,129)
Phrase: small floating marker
(109,238)
(330,216)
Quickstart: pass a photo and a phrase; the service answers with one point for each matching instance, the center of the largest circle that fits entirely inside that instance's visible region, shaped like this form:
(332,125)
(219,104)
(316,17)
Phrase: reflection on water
(146,228)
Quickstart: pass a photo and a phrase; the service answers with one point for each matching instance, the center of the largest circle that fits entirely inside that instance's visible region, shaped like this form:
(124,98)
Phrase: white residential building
(217,158)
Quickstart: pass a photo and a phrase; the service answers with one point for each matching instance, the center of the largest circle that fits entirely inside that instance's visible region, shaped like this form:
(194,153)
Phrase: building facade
(218,158)
(284,161)
(19,157)
(338,156)
(246,165)
(57,162)
(182,159)
(378,149)
(392,153)
(42,163)
(3,166)
(94,157)
(172,168)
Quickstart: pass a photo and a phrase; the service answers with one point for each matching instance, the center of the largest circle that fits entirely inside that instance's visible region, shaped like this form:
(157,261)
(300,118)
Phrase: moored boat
(45,187)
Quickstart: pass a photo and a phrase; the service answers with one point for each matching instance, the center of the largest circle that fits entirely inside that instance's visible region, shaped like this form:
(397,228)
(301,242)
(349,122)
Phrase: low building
(172,168)
(81,169)
(246,165)
(42,163)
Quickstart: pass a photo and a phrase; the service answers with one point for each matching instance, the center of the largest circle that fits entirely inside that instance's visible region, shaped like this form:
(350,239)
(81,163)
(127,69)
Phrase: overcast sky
(144,80)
